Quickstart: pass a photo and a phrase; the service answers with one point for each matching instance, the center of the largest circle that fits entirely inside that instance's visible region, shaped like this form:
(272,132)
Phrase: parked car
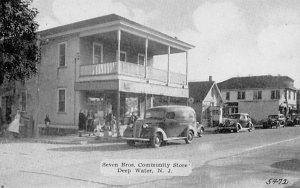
(162,124)
(293,121)
(236,122)
(276,121)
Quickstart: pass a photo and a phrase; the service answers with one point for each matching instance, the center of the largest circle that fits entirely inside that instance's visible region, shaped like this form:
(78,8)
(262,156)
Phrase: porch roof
(107,19)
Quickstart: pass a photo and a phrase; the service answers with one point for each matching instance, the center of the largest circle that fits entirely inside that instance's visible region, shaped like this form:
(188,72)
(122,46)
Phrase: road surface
(262,158)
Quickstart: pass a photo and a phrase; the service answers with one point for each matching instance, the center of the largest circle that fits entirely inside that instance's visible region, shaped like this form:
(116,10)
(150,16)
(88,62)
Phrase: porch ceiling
(133,41)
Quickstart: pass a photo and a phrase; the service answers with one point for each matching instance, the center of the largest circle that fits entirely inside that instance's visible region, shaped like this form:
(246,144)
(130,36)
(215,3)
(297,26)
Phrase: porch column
(145,104)
(187,66)
(146,57)
(118,113)
(119,50)
(168,73)
(151,101)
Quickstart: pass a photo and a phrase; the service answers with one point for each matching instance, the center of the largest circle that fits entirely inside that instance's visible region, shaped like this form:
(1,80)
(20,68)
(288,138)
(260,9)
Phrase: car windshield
(273,116)
(155,113)
(234,116)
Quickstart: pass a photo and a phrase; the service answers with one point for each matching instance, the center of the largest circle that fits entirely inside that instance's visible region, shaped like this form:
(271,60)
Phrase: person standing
(90,118)
(14,126)
(47,123)
(81,121)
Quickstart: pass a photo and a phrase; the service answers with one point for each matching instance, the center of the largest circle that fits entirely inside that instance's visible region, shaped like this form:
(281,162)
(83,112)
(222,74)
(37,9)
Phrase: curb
(95,140)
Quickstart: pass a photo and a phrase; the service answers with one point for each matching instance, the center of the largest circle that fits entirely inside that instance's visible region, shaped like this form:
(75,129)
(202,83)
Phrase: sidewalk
(68,139)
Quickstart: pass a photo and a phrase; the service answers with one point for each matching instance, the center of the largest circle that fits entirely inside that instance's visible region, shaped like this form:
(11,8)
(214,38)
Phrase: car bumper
(136,139)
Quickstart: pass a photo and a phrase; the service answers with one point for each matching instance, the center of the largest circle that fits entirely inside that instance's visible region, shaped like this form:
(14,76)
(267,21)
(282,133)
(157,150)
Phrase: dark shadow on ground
(292,165)
(111,147)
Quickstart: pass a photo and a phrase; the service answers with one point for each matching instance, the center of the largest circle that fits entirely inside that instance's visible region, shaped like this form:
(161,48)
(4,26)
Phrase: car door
(170,124)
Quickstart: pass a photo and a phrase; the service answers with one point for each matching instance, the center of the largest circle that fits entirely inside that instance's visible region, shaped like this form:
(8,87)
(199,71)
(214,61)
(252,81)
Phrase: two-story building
(259,96)
(105,65)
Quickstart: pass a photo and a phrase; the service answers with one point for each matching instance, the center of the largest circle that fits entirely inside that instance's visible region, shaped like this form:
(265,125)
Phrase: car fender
(159,130)
(190,127)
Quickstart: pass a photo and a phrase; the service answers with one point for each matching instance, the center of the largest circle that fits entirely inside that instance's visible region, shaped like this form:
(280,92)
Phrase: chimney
(210,78)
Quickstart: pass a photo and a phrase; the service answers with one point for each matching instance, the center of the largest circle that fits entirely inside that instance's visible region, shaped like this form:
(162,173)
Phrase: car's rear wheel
(251,127)
(189,137)
(201,131)
(131,142)
(156,140)
(237,128)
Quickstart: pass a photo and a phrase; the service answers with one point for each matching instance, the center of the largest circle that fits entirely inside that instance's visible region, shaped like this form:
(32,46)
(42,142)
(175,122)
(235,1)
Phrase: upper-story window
(62,100)
(289,93)
(62,54)
(275,94)
(228,95)
(257,95)
(97,53)
(141,59)
(241,95)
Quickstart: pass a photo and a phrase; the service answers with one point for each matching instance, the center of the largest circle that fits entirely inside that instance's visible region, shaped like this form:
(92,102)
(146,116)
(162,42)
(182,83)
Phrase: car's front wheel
(156,140)
(189,137)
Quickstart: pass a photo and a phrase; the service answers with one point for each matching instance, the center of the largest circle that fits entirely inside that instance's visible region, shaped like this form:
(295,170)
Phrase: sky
(232,37)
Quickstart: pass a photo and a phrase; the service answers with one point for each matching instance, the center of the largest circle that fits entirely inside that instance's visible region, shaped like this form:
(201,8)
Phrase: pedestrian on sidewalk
(81,121)
(47,123)
(14,126)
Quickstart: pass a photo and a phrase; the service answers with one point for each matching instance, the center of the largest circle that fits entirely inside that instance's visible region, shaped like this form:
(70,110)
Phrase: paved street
(247,159)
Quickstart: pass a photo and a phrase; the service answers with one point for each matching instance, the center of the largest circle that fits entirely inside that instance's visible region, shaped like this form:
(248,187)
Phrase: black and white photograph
(150,93)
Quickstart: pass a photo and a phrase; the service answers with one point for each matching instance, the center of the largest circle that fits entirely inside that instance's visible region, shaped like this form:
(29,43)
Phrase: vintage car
(277,121)
(236,122)
(164,123)
(293,121)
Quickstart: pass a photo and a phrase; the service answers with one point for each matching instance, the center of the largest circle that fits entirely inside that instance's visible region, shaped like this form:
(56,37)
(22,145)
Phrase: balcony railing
(131,69)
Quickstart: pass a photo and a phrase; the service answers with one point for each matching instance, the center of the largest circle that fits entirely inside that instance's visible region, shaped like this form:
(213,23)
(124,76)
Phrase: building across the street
(103,65)
(259,96)
(206,99)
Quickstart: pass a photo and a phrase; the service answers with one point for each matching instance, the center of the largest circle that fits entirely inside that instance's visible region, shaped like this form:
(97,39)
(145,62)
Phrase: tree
(19,51)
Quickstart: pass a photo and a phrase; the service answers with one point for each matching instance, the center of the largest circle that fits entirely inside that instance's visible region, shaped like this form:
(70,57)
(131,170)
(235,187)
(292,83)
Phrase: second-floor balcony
(133,70)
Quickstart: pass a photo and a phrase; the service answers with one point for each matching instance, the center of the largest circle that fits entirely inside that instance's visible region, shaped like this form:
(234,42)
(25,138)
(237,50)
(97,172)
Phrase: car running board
(176,138)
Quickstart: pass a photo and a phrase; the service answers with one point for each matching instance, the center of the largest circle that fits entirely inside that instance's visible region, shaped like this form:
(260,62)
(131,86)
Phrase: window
(23,101)
(294,95)
(141,59)
(62,54)
(123,56)
(61,100)
(257,94)
(97,53)
(275,94)
(241,95)
(289,94)
(234,110)
(227,95)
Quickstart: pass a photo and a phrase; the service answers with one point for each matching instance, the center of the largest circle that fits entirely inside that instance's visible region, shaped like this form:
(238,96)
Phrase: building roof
(102,20)
(199,90)
(257,82)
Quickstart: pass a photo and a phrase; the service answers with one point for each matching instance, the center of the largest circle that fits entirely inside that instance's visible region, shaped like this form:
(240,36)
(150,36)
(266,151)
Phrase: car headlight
(145,126)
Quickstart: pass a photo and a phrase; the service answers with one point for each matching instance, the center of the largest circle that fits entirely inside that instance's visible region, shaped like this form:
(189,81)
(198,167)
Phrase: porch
(133,70)
(124,53)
